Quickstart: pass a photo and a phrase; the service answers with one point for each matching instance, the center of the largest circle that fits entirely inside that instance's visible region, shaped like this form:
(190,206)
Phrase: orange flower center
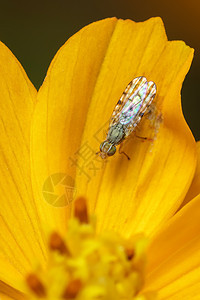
(86,265)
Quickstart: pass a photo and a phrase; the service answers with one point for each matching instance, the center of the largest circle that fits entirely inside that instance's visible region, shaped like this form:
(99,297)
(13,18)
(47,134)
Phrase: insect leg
(122,152)
(144,138)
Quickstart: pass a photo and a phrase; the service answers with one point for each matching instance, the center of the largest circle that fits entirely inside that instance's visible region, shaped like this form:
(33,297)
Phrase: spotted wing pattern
(129,93)
(133,103)
(140,104)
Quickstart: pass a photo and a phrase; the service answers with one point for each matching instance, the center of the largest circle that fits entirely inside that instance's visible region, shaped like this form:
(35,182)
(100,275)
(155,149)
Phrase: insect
(128,112)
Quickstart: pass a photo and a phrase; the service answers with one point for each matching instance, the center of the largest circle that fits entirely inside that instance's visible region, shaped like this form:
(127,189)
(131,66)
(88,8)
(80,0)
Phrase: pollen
(87,265)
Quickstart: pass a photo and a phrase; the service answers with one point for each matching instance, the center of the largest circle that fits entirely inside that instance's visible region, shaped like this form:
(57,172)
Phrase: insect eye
(107,148)
(102,146)
(111,151)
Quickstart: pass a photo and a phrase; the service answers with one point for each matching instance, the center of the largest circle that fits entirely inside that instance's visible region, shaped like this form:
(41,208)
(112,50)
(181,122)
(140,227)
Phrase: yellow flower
(51,137)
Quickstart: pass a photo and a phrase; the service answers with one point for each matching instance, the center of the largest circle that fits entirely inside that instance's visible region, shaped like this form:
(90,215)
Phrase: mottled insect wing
(151,92)
(133,87)
(146,95)
(133,105)
(128,95)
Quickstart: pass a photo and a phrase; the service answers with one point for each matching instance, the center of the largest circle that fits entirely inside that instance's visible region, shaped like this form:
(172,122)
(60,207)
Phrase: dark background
(35,30)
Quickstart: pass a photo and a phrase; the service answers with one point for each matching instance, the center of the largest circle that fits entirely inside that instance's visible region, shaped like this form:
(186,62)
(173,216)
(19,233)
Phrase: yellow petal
(140,194)
(61,113)
(194,189)
(5,297)
(83,84)
(7,293)
(20,236)
(174,256)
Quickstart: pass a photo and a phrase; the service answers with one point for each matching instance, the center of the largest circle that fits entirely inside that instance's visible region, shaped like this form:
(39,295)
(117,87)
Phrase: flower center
(85,265)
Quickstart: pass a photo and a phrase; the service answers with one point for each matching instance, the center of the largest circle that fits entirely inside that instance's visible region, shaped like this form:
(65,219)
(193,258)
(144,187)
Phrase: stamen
(80,210)
(85,264)
(56,243)
(129,253)
(36,285)
(72,289)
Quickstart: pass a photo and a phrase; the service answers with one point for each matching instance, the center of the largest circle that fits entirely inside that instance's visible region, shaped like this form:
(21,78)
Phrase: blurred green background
(35,30)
